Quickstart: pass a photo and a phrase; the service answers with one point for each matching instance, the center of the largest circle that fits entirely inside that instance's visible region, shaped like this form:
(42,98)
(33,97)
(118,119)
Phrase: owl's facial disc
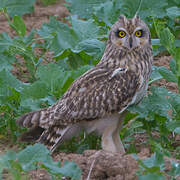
(130,41)
(130,33)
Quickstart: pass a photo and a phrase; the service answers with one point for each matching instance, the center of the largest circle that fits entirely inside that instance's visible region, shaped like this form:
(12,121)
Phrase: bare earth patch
(102,165)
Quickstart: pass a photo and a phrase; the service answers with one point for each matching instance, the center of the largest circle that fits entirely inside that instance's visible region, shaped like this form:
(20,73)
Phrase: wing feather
(93,95)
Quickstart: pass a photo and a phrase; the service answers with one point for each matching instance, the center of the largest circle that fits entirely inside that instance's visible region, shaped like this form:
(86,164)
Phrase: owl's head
(130,33)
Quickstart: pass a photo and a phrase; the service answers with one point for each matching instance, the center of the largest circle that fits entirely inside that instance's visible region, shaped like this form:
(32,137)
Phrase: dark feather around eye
(140,33)
(117,33)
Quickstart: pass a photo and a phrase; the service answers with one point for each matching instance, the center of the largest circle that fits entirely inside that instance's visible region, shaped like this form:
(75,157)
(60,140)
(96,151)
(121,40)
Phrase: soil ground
(99,165)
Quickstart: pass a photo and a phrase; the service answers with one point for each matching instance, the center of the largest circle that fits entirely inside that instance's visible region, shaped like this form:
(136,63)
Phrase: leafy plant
(154,168)
(48,2)
(38,157)
(15,7)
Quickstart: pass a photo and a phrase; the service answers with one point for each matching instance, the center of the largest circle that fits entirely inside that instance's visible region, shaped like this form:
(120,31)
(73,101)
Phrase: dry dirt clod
(102,165)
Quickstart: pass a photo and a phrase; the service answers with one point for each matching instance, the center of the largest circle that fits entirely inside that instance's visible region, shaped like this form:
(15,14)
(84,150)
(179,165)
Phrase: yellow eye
(139,33)
(121,34)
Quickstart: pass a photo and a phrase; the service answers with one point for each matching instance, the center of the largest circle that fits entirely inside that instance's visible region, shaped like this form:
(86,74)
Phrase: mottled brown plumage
(98,99)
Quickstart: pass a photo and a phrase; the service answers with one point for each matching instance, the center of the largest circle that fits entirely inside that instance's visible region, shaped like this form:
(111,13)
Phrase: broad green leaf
(5,42)
(7,81)
(30,104)
(84,29)
(174,126)
(129,7)
(177,130)
(152,176)
(17,7)
(5,161)
(155,103)
(172,65)
(50,84)
(33,157)
(107,12)
(167,74)
(151,8)
(19,26)
(35,90)
(81,36)
(173,12)
(6,62)
(53,76)
(70,169)
(156,160)
(70,60)
(167,39)
(63,36)
(155,76)
(177,58)
(83,8)
(29,156)
(177,43)
(92,47)
(175,170)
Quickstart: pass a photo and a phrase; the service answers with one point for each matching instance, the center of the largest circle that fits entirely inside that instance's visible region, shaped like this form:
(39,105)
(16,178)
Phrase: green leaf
(172,65)
(107,12)
(174,126)
(5,161)
(173,12)
(17,7)
(167,39)
(53,76)
(174,99)
(70,169)
(82,36)
(167,74)
(6,62)
(151,176)
(7,81)
(155,103)
(29,156)
(84,29)
(33,157)
(148,8)
(5,42)
(92,47)
(51,83)
(175,170)
(156,160)
(85,9)
(155,76)
(35,91)
(19,26)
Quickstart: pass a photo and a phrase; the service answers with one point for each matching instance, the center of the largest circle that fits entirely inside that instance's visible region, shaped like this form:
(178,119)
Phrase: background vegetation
(76,47)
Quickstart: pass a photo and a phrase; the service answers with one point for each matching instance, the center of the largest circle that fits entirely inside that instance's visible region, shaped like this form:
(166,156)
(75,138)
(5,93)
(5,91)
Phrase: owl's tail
(32,122)
(50,136)
(31,119)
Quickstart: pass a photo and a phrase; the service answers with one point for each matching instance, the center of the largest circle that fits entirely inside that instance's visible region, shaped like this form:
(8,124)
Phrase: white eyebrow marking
(138,28)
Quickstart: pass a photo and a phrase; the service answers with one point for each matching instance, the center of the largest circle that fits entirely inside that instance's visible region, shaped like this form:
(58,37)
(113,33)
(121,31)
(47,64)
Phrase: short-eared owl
(97,100)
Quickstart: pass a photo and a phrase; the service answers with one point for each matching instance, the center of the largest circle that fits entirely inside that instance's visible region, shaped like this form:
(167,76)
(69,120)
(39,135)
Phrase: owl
(98,100)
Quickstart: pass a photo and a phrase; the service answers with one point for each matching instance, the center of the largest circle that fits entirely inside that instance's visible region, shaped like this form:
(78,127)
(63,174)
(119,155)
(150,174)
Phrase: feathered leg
(110,139)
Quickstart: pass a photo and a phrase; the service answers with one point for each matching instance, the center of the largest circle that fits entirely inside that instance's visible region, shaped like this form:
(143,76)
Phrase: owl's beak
(130,42)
